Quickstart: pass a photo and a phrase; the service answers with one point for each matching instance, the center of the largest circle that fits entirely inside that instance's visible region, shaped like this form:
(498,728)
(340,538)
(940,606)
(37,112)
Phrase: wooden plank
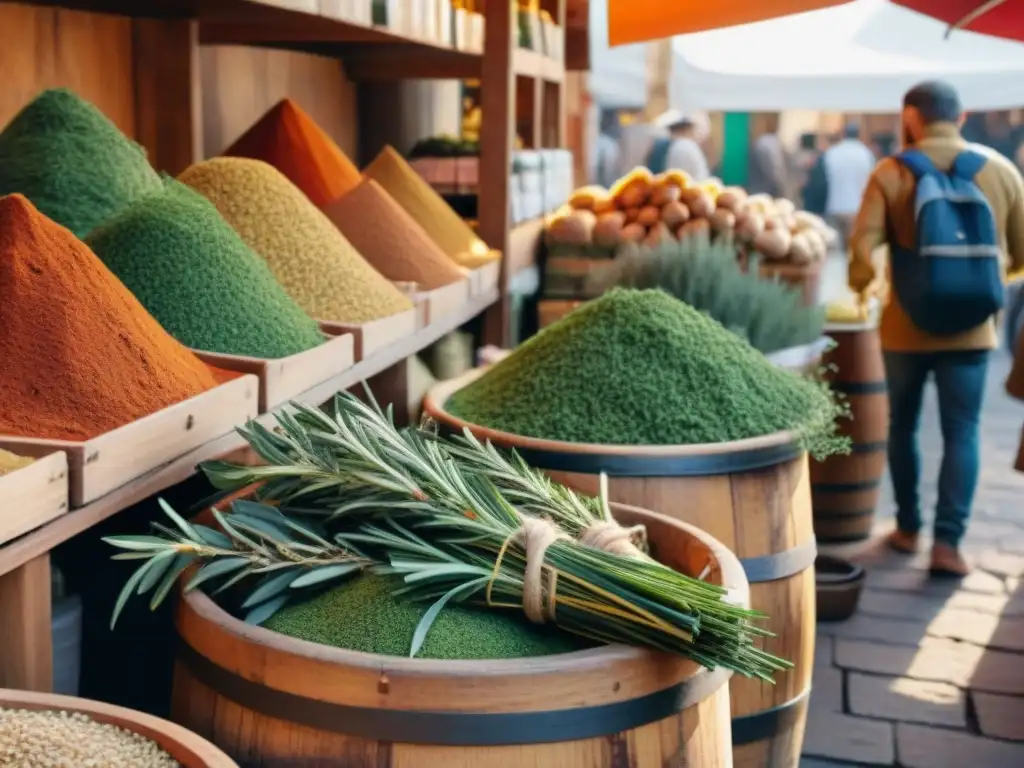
(231,446)
(284,378)
(497,102)
(104,463)
(26,637)
(375,335)
(33,495)
(168,99)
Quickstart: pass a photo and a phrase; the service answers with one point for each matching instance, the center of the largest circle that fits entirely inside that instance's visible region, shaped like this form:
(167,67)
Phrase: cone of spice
(12,461)
(197,277)
(74,164)
(288,139)
(428,209)
(390,239)
(314,262)
(81,356)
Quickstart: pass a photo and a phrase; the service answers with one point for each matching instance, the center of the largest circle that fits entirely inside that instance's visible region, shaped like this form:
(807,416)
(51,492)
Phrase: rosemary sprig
(412,501)
(254,540)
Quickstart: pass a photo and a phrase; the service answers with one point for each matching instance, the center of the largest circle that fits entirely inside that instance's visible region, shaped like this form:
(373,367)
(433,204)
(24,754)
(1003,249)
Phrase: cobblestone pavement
(929,674)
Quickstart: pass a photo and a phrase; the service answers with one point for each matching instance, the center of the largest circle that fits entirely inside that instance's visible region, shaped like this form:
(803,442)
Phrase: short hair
(936,101)
(852,131)
(682,124)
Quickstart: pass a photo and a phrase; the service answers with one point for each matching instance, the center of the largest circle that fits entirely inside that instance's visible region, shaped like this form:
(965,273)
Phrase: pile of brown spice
(311,259)
(81,356)
(390,239)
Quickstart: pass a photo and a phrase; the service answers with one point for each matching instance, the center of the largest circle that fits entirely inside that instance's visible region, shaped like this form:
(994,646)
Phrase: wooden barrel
(187,748)
(271,700)
(845,489)
(754,497)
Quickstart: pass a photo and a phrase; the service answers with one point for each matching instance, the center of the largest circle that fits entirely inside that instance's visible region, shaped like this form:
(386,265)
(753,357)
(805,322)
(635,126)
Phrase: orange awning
(637,21)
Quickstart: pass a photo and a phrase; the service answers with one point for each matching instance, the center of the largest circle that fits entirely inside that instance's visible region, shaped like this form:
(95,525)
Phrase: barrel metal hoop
(867,485)
(626,465)
(454,728)
(768,723)
(860,387)
(826,516)
(782,564)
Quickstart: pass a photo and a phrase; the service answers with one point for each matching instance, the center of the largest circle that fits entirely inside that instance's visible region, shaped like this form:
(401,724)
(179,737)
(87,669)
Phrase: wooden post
(168,99)
(659,74)
(497,102)
(26,639)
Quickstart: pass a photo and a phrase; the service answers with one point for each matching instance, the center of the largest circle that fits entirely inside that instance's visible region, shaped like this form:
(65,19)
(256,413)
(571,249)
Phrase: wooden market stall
(184,78)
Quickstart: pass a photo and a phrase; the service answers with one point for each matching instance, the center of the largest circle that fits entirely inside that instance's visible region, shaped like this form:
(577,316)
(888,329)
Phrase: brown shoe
(903,542)
(947,562)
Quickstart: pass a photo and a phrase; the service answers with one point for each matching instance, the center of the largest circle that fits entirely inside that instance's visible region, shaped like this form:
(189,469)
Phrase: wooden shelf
(39,542)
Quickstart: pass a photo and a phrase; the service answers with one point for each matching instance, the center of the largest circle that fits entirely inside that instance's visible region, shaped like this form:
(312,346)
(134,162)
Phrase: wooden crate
(550,311)
(485,279)
(105,463)
(33,495)
(375,335)
(446,300)
(286,377)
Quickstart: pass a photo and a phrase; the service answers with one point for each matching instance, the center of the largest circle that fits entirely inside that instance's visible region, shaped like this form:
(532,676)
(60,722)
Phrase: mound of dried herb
(642,368)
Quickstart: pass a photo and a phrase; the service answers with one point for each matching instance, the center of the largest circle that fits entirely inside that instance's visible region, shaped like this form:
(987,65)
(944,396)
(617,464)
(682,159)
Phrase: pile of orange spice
(81,356)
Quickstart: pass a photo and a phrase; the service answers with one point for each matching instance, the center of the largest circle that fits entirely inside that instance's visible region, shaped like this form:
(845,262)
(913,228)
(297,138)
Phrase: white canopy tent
(618,76)
(858,57)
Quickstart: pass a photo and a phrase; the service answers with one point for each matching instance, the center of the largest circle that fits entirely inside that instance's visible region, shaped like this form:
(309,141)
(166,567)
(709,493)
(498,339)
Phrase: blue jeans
(960,381)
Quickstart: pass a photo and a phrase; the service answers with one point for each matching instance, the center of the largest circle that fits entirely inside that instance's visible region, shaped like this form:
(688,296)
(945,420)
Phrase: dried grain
(390,239)
(11,461)
(314,262)
(59,739)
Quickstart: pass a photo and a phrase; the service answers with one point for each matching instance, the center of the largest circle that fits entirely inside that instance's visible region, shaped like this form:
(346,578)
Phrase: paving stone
(998,672)
(822,651)
(814,762)
(850,739)
(980,629)
(903,605)
(907,700)
(1000,716)
(827,689)
(937,660)
(883,630)
(917,580)
(1001,563)
(920,746)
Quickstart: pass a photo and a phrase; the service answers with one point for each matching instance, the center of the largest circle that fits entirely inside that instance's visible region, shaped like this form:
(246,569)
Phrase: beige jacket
(887,213)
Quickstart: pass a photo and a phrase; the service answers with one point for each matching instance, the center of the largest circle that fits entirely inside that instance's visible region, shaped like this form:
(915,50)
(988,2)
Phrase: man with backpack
(680,150)
(952,214)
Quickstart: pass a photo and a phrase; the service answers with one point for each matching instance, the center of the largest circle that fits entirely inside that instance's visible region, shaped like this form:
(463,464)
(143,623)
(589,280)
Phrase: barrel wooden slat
(845,489)
(761,513)
(187,748)
(271,700)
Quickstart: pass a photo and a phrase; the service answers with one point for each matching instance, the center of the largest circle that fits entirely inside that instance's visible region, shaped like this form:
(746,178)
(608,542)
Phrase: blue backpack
(952,279)
(657,158)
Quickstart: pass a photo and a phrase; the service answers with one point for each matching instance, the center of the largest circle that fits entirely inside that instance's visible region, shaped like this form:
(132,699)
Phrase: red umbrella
(1001,18)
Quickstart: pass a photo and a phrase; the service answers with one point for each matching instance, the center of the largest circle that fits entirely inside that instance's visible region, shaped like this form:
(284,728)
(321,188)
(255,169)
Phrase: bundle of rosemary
(767,313)
(456,521)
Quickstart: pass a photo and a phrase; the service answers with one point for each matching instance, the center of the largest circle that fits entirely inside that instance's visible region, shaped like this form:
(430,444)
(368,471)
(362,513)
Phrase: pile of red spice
(80,355)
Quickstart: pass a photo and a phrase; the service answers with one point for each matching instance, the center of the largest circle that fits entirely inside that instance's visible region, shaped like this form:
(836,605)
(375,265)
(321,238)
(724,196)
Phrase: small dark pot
(838,584)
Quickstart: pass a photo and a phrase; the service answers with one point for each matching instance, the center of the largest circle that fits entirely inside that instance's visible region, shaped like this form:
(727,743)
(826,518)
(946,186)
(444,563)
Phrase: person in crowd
(608,167)
(1015,381)
(847,165)
(680,150)
(981,221)
(768,165)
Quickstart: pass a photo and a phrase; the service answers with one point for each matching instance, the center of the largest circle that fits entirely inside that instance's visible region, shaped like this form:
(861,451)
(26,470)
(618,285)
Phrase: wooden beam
(497,102)
(168,98)
(26,634)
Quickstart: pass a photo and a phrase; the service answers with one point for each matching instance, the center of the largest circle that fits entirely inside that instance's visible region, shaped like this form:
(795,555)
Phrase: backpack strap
(917,162)
(967,164)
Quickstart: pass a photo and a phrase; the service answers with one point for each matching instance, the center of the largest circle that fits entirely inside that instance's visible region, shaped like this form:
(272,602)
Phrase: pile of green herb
(74,164)
(196,276)
(642,368)
(771,315)
(364,615)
